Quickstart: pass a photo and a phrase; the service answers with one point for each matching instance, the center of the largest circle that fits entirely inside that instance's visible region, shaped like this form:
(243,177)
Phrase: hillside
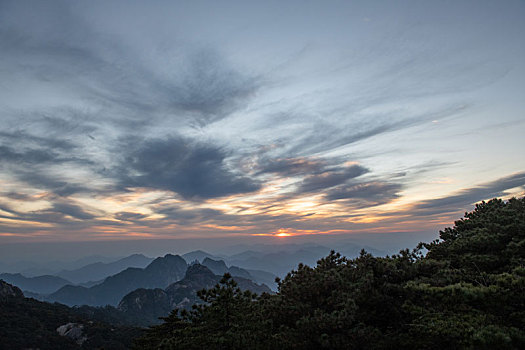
(29,324)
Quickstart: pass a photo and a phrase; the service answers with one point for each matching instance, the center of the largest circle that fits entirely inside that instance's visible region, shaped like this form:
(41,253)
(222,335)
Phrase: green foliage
(466,292)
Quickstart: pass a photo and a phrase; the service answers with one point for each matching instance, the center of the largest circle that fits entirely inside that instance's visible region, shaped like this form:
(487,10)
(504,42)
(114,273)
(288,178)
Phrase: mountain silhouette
(160,273)
(40,285)
(150,304)
(99,270)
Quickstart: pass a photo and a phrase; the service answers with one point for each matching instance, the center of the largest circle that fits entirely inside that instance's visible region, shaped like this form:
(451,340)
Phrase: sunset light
(172,133)
(282,233)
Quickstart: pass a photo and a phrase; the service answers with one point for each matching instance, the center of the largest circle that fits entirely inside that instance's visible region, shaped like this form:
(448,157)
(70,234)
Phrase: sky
(125,120)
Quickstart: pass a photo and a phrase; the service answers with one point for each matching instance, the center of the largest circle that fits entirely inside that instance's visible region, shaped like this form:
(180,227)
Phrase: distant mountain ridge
(282,259)
(41,285)
(219,267)
(260,264)
(160,273)
(40,268)
(99,270)
(198,255)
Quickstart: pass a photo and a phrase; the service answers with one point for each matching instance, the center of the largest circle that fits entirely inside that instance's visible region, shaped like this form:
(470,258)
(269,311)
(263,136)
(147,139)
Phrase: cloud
(21,137)
(186,216)
(60,212)
(372,193)
(32,156)
(327,136)
(198,85)
(209,87)
(128,216)
(193,170)
(60,186)
(79,83)
(290,166)
(43,167)
(331,178)
(100,90)
(465,198)
(72,210)
(334,179)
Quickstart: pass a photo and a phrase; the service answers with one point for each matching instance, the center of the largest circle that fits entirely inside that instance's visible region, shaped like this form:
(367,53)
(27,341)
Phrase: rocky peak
(168,261)
(217,266)
(198,270)
(142,298)
(8,291)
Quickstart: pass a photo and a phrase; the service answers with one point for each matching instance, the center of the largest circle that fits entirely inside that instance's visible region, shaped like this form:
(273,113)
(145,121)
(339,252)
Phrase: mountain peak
(217,266)
(160,273)
(198,255)
(168,259)
(197,269)
(8,291)
(198,252)
(134,257)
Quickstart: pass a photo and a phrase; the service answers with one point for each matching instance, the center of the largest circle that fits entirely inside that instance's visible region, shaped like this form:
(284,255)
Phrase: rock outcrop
(73,331)
(8,291)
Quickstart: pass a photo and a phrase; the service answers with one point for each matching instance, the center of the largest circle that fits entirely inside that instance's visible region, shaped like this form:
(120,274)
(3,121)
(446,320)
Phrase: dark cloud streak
(193,170)
(465,198)
(289,166)
(371,193)
(327,137)
(330,178)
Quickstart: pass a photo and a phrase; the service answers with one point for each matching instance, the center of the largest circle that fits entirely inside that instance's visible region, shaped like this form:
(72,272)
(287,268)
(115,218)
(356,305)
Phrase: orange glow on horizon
(283,234)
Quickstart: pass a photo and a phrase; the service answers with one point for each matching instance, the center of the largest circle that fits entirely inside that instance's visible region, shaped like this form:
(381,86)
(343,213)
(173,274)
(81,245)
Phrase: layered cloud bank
(166,119)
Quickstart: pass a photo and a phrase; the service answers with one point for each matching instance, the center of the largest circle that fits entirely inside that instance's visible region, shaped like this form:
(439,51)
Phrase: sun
(282,233)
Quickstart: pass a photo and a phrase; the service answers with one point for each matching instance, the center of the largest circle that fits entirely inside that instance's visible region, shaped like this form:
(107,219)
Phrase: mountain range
(137,290)
(160,273)
(39,268)
(41,285)
(281,259)
(150,304)
(219,267)
(198,256)
(99,270)
(87,283)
